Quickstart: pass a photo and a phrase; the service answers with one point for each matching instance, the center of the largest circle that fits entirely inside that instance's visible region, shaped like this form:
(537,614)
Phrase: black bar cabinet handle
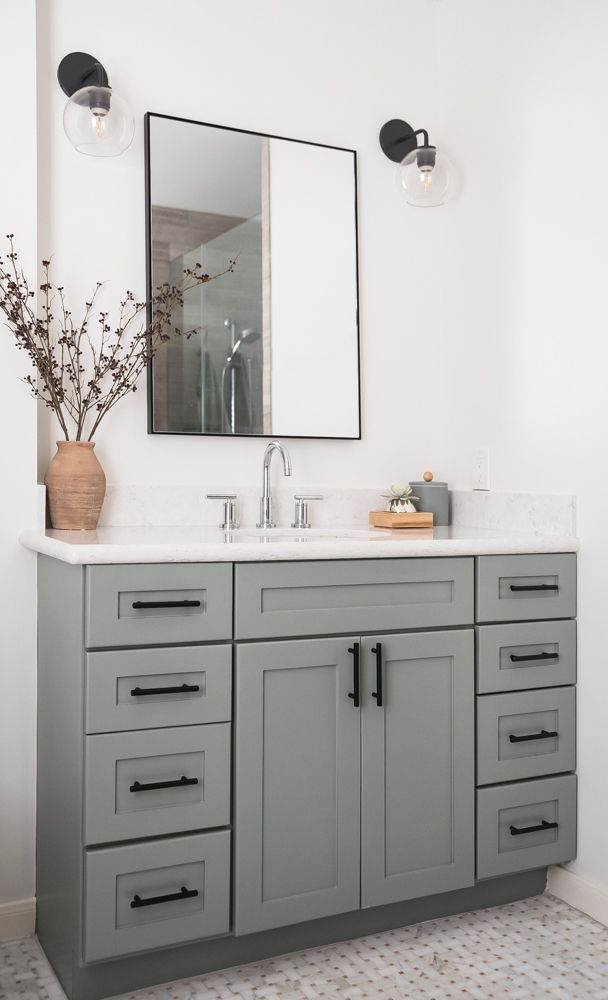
(533,656)
(165,604)
(138,692)
(355,694)
(543,735)
(151,785)
(516,831)
(170,897)
(534,586)
(377,694)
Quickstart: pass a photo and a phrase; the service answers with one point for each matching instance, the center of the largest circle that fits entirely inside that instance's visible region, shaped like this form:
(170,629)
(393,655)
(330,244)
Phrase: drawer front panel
(306,598)
(158,604)
(525,734)
(154,688)
(526,587)
(190,768)
(527,825)
(525,655)
(194,872)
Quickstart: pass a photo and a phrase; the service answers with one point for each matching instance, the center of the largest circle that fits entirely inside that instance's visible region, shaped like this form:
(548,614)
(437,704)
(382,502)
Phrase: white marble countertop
(187,543)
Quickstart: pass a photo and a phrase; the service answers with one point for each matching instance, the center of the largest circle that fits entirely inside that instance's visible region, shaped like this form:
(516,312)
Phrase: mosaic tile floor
(535,948)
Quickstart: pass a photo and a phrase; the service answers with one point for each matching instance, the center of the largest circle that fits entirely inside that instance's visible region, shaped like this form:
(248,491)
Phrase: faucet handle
(229,509)
(300,517)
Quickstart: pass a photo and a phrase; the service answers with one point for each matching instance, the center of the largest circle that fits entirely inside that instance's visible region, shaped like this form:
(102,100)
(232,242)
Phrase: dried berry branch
(80,376)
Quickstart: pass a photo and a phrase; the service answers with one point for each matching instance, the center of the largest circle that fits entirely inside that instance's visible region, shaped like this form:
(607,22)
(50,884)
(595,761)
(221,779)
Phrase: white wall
(327,72)
(524,101)
(485,319)
(18,492)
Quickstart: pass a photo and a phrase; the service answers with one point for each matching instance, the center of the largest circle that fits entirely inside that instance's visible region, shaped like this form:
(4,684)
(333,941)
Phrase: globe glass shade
(424,176)
(98,122)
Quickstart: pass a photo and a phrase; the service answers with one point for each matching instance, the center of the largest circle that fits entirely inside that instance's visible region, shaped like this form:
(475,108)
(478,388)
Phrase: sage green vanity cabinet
(526,824)
(526,587)
(356,595)
(152,604)
(187,873)
(297,783)
(417,760)
(236,761)
(316,743)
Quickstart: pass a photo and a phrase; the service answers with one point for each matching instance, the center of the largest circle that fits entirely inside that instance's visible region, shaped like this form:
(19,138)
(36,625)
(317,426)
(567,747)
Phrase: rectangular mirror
(276,351)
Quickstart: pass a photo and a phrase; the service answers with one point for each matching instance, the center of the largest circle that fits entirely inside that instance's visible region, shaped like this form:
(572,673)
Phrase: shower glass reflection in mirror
(276,350)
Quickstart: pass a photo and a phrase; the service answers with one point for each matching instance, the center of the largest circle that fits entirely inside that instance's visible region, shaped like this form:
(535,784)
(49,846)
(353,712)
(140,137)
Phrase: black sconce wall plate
(78,70)
(397,139)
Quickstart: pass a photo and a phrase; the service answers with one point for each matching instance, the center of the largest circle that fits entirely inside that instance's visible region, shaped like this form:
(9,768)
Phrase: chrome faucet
(266,500)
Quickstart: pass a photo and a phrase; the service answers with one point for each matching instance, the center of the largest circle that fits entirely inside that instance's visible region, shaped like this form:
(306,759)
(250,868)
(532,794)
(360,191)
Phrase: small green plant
(400,499)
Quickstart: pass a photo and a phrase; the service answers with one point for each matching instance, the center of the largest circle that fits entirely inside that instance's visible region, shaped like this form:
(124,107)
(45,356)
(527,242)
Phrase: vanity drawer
(118,767)
(117,877)
(525,655)
(323,598)
(148,605)
(526,587)
(152,688)
(508,822)
(508,727)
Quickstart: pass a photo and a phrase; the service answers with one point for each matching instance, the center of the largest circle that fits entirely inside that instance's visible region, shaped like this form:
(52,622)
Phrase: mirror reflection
(276,348)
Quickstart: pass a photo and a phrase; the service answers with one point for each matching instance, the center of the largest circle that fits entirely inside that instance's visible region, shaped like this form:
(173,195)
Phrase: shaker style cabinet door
(297,792)
(417,759)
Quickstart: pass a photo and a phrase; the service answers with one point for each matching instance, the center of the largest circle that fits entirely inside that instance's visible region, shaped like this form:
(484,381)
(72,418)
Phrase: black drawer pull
(516,831)
(534,656)
(138,692)
(543,735)
(171,897)
(355,694)
(377,694)
(534,586)
(166,604)
(151,785)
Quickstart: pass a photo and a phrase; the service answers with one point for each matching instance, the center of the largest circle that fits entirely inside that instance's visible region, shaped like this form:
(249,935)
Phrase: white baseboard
(17,919)
(587,896)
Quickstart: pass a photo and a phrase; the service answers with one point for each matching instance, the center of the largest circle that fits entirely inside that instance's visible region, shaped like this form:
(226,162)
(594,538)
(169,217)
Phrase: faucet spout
(266,499)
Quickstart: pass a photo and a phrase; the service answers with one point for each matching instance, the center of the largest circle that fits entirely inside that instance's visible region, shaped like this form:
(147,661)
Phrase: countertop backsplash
(538,513)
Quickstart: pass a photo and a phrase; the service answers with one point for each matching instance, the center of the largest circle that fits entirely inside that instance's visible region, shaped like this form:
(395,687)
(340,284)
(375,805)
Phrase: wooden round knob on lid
(427,476)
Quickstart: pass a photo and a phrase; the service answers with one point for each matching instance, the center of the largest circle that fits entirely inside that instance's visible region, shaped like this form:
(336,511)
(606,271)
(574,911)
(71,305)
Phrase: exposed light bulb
(426,179)
(98,123)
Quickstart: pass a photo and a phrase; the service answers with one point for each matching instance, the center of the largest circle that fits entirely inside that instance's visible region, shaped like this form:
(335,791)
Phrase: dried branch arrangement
(85,367)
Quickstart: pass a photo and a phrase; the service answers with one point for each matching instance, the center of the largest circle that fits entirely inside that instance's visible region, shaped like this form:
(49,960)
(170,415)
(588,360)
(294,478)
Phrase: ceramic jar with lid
(433,496)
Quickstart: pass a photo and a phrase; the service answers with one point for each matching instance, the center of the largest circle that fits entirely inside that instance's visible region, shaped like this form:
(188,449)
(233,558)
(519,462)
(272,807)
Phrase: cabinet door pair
(340,805)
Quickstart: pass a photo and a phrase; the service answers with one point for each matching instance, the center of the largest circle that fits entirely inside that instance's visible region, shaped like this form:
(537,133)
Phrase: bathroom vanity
(289,743)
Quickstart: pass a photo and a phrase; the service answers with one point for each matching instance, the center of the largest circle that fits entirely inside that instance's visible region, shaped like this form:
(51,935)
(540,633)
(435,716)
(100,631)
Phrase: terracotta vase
(76,486)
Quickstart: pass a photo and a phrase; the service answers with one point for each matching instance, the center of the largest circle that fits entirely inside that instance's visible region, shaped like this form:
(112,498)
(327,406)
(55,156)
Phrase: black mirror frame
(149,115)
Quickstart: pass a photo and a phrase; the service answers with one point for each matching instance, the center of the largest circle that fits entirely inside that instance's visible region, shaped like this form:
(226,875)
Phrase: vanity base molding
(104,979)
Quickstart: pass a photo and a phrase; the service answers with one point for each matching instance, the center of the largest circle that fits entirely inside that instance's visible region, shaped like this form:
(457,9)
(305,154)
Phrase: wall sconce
(96,120)
(424,172)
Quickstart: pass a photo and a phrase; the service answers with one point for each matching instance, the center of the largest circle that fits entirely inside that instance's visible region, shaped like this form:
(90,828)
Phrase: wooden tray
(386,519)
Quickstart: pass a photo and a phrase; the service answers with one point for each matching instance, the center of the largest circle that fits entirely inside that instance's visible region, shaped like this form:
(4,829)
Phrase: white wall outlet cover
(481,469)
